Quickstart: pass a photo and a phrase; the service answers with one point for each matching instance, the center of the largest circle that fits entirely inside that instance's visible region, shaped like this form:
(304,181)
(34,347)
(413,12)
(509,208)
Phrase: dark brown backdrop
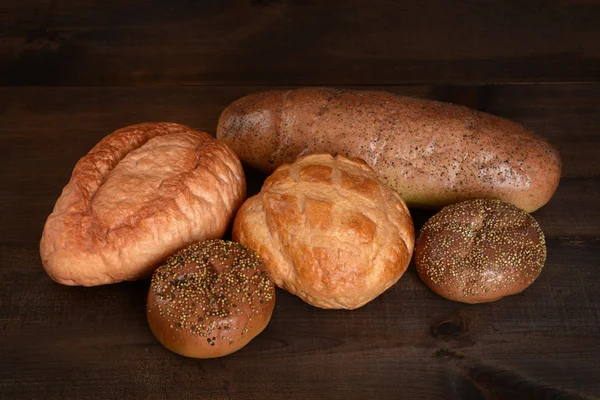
(73,71)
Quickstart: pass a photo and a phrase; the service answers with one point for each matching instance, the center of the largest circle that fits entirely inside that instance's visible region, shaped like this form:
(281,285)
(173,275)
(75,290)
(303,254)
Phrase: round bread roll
(479,251)
(210,299)
(140,194)
(329,230)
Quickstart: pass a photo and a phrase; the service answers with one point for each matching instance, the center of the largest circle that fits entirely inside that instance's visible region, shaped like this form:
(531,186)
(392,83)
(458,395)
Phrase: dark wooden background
(73,71)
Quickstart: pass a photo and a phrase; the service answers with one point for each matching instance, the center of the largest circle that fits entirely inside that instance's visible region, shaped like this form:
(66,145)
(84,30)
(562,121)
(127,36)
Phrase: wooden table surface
(74,71)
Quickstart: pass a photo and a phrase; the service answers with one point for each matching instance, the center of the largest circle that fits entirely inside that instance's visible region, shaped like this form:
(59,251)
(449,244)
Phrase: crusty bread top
(432,153)
(139,195)
(329,230)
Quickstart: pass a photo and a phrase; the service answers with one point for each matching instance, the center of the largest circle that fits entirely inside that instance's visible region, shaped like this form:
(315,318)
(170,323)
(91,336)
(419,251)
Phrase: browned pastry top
(329,230)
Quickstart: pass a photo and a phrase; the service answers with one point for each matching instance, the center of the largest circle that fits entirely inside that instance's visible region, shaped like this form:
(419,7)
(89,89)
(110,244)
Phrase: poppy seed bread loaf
(432,153)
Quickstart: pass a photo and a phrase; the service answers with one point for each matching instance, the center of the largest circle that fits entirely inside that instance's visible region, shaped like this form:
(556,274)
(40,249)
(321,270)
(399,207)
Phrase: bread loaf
(139,195)
(478,251)
(210,299)
(431,153)
(329,231)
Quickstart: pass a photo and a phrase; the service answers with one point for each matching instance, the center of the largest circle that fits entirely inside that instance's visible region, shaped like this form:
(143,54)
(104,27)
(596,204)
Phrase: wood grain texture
(282,42)
(66,342)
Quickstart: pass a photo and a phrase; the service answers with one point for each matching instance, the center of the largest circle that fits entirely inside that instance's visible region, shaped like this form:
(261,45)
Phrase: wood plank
(283,42)
(61,342)
(408,340)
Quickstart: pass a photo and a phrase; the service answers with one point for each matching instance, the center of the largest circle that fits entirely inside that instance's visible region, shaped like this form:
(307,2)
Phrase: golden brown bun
(140,194)
(210,299)
(479,251)
(433,154)
(329,230)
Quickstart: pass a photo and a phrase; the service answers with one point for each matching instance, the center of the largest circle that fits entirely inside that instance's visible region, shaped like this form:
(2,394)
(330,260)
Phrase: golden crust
(329,230)
(140,194)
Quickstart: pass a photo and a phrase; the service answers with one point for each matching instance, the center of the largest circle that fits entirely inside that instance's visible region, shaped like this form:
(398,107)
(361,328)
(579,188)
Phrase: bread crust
(479,251)
(140,194)
(432,153)
(329,230)
(210,299)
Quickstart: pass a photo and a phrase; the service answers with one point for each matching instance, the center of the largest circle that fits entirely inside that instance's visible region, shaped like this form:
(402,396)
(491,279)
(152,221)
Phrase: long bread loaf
(431,153)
